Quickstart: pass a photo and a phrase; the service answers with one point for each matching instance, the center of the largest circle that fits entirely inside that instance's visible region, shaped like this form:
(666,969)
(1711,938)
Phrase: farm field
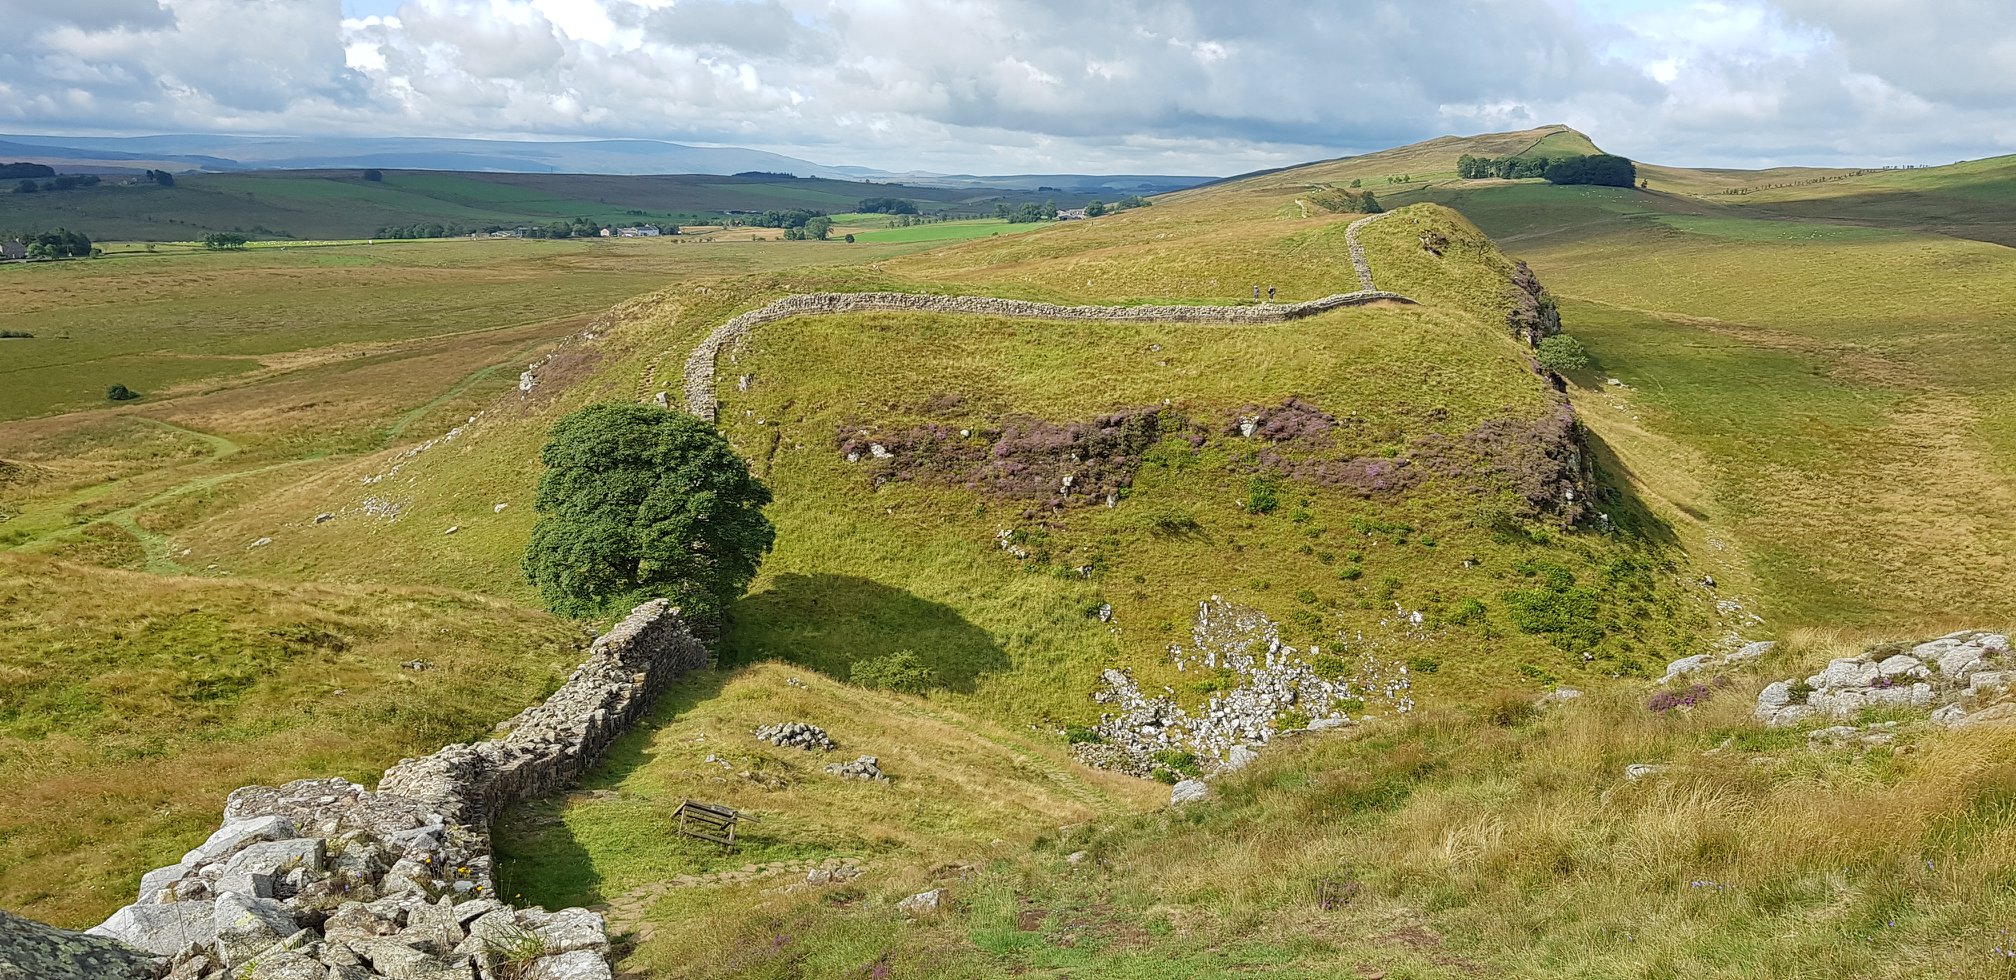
(341,204)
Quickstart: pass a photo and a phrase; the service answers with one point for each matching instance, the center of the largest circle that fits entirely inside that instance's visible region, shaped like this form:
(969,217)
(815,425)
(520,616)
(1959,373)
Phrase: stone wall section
(701,365)
(1358,259)
(322,879)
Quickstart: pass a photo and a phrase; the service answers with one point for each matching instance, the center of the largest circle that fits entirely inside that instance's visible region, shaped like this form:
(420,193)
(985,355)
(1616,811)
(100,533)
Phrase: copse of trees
(639,502)
(59,244)
(1602,169)
(1471,167)
(374,175)
(162,177)
(15,171)
(1131,202)
(218,241)
(885,205)
(791,218)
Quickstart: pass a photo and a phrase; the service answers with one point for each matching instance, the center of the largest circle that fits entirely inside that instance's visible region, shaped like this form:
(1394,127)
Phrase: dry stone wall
(1358,259)
(322,879)
(702,364)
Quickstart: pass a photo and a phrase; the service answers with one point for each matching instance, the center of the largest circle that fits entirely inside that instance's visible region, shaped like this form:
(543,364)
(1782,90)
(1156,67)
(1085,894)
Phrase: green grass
(337,204)
(943,231)
(133,703)
(1825,394)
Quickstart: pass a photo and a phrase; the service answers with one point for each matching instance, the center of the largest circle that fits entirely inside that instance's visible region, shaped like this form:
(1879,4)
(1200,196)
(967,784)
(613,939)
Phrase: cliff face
(1533,314)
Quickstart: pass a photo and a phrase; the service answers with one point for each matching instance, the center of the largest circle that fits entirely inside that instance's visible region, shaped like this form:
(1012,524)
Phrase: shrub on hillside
(120,393)
(638,502)
(1562,353)
(902,671)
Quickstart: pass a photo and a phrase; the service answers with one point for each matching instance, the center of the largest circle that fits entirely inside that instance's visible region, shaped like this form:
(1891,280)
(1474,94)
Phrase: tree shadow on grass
(828,623)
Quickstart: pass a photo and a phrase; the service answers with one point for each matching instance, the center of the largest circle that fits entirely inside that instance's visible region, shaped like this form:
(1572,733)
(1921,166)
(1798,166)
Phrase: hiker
(1256,294)
(1270,294)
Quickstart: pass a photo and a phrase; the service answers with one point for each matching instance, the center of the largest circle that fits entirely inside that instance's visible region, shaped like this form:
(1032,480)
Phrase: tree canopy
(639,502)
(885,205)
(1603,169)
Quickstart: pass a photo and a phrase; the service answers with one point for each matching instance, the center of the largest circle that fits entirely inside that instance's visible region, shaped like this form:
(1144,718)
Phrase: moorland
(1792,426)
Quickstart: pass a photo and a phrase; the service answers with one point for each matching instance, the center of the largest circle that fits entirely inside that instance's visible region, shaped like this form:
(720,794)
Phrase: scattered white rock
(922,903)
(499,509)
(1188,791)
(1938,674)
(1075,857)
(324,517)
(866,767)
(262,542)
(1640,770)
(452,529)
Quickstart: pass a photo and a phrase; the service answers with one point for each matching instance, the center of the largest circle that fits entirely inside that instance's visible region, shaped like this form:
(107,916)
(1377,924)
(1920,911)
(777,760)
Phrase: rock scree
(322,878)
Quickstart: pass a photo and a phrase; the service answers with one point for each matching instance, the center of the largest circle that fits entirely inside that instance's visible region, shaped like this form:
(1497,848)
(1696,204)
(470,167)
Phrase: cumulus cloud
(1020,85)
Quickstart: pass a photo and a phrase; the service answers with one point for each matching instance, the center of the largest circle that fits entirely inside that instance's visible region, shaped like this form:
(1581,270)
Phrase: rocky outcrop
(322,878)
(1274,681)
(1953,676)
(1533,316)
(701,364)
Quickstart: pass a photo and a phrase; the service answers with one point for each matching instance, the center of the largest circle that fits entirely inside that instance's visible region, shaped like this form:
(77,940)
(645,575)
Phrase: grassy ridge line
(702,365)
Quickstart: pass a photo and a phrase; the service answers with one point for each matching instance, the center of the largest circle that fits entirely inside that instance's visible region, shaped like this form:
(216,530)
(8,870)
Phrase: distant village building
(606,232)
(640,231)
(1072,214)
(13,249)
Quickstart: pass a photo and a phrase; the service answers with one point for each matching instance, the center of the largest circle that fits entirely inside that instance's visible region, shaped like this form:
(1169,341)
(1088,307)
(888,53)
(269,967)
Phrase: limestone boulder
(161,928)
(237,835)
(1188,791)
(247,925)
(577,965)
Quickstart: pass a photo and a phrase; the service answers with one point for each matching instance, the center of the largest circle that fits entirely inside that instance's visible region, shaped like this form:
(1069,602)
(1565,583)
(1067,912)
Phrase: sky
(1022,86)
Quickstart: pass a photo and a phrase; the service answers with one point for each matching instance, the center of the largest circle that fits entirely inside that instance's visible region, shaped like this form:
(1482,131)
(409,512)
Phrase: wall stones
(324,878)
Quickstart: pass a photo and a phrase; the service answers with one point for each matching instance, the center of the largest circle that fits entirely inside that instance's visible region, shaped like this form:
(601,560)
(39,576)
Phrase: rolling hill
(1804,440)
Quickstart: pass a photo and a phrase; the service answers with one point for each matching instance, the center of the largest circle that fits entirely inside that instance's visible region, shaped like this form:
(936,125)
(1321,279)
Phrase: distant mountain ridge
(626,157)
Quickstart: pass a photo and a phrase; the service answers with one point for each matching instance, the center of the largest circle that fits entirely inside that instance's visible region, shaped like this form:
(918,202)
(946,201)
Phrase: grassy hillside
(1506,841)
(134,703)
(340,204)
(1807,412)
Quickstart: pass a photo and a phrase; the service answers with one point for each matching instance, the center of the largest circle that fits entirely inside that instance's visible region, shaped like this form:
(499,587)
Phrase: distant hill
(341,204)
(631,157)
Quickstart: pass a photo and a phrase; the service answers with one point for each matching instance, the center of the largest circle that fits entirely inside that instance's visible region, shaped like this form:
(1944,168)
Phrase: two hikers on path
(1256,294)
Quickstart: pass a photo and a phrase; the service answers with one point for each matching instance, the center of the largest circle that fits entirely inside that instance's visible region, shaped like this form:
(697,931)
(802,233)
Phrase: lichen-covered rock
(577,965)
(162,928)
(30,950)
(246,925)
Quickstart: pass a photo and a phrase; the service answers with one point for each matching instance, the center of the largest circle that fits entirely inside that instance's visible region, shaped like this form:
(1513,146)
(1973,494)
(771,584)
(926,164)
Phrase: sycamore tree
(640,502)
